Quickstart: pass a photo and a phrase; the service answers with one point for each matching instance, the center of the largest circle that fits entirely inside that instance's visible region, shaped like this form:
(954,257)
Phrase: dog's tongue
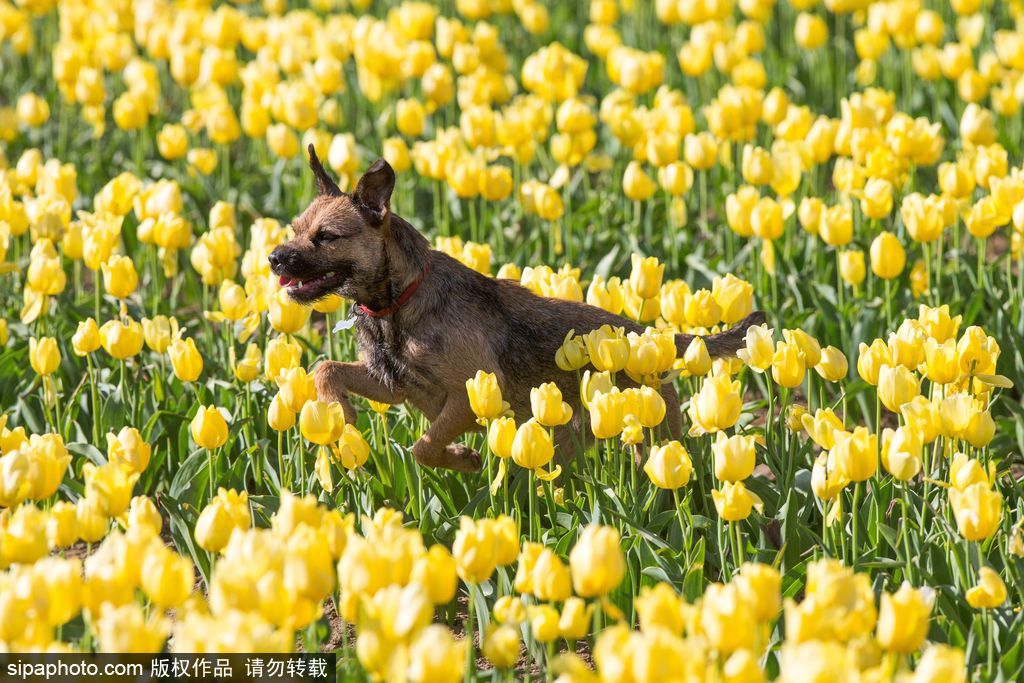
(284,281)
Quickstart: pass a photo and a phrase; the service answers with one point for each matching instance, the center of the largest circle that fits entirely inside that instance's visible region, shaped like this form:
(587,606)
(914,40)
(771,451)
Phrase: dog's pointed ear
(324,184)
(373,192)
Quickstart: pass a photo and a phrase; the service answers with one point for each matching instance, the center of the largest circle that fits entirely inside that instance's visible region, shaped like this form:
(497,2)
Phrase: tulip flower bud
(500,434)
(43,355)
(977,509)
(501,646)
(597,562)
(122,340)
(167,577)
(896,386)
(119,276)
(186,361)
(903,619)
(669,466)
(734,456)
(548,407)
(209,428)
(833,366)
(485,395)
(727,619)
(887,256)
(474,550)
(856,454)
(62,525)
(128,448)
(989,593)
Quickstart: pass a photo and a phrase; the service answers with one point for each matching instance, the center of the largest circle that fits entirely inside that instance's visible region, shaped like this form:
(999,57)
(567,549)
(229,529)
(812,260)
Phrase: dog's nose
(275,258)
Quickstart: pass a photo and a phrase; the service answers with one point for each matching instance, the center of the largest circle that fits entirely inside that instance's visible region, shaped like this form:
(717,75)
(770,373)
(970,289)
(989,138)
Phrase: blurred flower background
(845,501)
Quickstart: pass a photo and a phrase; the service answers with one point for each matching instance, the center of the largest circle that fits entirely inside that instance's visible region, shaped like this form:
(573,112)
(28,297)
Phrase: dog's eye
(324,237)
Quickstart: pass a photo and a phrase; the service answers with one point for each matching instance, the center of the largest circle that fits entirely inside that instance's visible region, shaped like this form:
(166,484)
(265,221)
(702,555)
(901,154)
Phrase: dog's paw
(463,458)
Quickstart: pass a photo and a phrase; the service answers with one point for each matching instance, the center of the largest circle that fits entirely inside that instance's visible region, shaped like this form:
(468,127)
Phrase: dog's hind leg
(435,448)
(335,381)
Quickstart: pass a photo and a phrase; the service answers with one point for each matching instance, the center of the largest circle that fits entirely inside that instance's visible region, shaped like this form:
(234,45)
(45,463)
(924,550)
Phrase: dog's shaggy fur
(457,322)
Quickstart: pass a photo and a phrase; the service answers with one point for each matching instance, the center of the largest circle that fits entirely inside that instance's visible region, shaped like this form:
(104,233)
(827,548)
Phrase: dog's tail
(724,344)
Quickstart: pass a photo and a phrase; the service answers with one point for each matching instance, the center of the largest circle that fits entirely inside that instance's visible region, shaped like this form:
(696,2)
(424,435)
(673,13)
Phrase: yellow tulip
(669,466)
(608,348)
(761,586)
(501,434)
(548,407)
(44,355)
(128,447)
(851,267)
(901,452)
(896,386)
(734,296)
(279,417)
(788,365)
(607,413)
(833,366)
(734,502)
(436,657)
(871,359)
(122,340)
(435,571)
(167,577)
(501,646)
(856,454)
(716,406)
(285,315)
(636,184)
(887,256)
(990,592)
(119,276)
(485,395)
(159,332)
(186,361)
(757,353)
(353,451)
(532,447)
(978,509)
(474,550)
(597,562)
(646,276)
(822,427)
(903,619)
(734,456)
(322,423)
(209,428)
(110,486)
(574,623)
(86,338)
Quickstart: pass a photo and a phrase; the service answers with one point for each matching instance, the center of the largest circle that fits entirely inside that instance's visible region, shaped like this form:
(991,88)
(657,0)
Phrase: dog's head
(339,239)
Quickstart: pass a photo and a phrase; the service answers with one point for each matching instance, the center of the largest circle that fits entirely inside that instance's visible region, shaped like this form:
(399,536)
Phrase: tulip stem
(990,645)
(282,478)
(94,394)
(981,263)
(905,490)
(209,468)
(470,659)
(855,523)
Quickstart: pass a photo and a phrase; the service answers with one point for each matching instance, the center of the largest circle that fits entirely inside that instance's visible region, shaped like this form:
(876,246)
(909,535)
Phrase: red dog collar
(402,299)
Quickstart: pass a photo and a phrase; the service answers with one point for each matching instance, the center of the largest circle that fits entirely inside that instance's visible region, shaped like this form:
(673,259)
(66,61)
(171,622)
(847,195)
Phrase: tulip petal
(498,478)
(547,476)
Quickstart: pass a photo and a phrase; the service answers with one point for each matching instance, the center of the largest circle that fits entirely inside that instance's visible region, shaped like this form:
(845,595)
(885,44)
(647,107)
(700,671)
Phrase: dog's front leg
(435,448)
(335,381)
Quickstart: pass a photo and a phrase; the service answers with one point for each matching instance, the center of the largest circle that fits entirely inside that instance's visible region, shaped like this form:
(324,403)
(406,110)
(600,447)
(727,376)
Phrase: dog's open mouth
(310,289)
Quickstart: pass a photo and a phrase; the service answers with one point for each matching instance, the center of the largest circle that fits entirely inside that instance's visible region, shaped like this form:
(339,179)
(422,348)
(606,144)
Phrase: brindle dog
(425,323)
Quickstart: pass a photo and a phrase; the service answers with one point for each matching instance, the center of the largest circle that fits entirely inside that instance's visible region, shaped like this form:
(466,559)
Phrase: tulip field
(845,500)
